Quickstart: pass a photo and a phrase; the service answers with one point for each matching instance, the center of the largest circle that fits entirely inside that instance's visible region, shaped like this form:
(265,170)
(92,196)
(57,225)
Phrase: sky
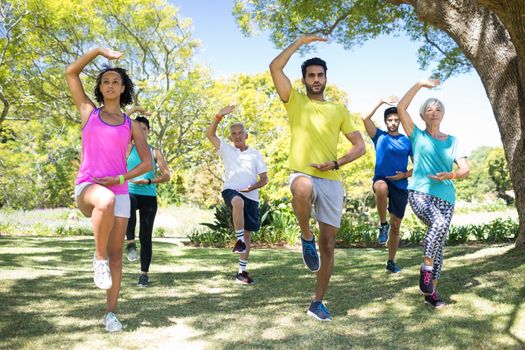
(382,67)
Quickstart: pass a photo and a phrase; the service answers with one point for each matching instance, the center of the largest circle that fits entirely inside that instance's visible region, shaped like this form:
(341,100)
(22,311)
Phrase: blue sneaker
(392,267)
(310,256)
(383,234)
(319,311)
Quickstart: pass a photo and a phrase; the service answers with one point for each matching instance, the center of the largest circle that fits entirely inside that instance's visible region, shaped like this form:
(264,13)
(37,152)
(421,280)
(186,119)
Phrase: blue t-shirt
(432,156)
(392,154)
(144,190)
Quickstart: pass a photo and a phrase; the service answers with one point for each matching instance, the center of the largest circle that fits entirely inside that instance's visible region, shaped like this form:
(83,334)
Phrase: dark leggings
(147,206)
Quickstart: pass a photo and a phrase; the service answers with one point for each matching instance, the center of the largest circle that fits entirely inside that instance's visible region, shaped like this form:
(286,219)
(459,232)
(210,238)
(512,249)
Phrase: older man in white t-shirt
(244,173)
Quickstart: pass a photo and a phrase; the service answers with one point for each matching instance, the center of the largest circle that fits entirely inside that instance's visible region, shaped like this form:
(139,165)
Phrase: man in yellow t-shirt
(315,126)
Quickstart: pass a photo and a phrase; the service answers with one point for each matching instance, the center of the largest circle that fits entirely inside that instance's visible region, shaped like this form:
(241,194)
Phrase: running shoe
(318,311)
(240,247)
(392,267)
(383,234)
(102,275)
(132,252)
(425,282)
(143,281)
(434,300)
(111,323)
(243,278)
(310,256)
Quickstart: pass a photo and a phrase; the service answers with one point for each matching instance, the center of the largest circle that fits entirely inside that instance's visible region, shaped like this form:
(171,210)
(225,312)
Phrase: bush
(501,231)
(458,234)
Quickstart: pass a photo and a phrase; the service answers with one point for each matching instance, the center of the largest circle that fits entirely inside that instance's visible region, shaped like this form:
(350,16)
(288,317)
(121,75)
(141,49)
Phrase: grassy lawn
(49,300)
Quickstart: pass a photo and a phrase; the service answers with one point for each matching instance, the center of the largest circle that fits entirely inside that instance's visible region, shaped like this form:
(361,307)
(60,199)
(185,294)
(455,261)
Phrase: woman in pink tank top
(101,190)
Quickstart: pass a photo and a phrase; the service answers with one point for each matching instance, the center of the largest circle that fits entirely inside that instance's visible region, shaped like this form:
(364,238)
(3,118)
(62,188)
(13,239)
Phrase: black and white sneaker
(143,281)
(240,247)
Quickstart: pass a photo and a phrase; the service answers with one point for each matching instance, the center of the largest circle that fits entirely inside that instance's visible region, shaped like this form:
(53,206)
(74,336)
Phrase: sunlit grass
(49,301)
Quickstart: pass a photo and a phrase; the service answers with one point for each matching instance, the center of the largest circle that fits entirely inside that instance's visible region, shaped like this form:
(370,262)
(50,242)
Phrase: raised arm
(371,129)
(137,109)
(402,106)
(211,133)
(82,102)
(280,80)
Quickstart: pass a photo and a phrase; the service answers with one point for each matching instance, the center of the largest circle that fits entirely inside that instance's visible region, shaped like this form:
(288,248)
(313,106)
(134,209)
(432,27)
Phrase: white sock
(427,267)
(242,265)
(240,234)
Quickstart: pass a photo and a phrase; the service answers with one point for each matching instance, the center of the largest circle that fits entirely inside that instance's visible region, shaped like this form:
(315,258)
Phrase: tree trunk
(490,33)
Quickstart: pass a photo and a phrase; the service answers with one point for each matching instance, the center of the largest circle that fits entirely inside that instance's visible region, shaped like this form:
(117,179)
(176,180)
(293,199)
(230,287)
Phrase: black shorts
(397,198)
(251,209)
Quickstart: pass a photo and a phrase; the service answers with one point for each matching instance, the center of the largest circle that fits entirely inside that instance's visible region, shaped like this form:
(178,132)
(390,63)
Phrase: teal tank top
(430,157)
(134,160)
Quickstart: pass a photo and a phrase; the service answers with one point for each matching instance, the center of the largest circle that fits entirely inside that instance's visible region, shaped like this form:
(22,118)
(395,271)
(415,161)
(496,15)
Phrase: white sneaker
(102,276)
(112,323)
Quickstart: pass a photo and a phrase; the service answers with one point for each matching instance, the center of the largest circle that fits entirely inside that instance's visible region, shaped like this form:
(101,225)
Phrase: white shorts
(122,201)
(328,198)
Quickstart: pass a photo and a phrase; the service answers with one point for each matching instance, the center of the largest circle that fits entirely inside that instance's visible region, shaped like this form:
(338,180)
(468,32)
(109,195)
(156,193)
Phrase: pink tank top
(104,150)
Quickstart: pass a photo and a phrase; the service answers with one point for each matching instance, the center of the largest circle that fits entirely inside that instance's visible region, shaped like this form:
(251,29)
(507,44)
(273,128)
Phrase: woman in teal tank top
(143,197)
(431,188)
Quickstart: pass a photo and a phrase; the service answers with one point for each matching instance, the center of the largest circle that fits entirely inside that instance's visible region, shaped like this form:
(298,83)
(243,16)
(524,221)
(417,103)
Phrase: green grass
(48,300)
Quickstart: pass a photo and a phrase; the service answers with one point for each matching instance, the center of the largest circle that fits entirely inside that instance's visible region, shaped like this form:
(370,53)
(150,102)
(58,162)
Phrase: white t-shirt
(241,168)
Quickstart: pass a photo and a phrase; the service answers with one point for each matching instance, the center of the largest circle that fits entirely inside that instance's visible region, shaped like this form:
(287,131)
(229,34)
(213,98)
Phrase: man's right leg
(237,204)
(302,195)
(393,243)
(381,193)
(302,188)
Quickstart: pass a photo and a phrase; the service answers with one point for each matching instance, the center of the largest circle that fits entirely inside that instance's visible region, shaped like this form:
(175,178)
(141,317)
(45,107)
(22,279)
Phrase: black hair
(388,111)
(126,98)
(143,120)
(315,61)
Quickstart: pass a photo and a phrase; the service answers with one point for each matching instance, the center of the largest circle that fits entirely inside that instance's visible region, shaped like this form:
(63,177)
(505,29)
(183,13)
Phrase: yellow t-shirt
(315,128)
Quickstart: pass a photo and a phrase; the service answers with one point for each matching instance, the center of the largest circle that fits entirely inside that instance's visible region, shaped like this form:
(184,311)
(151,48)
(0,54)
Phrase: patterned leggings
(436,214)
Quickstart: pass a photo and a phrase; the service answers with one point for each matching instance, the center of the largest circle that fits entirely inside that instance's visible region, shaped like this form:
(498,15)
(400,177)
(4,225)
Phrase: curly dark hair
(126,98)
(315,61)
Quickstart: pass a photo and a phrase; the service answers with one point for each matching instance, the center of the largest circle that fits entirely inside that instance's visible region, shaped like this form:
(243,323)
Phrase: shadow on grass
(48,290)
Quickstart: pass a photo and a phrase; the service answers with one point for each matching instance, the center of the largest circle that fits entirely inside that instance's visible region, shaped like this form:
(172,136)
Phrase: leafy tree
(458,35)
(46,35)
(496,166)
(264,115)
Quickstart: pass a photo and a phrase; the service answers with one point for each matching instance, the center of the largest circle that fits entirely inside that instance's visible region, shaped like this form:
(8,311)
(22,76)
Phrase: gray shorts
(122,201)
(328,198)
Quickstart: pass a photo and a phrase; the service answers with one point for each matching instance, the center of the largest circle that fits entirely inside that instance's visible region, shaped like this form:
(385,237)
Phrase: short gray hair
(238,124)
(430,102)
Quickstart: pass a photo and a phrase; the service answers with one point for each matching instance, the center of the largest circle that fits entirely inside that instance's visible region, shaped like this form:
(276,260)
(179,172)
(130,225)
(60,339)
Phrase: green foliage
(350,23)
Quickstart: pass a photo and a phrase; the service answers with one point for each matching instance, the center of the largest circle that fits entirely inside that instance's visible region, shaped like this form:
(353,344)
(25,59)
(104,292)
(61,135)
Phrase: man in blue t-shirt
(390,176)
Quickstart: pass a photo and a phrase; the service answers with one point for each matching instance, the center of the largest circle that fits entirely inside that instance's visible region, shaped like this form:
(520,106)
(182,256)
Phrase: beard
(310,90)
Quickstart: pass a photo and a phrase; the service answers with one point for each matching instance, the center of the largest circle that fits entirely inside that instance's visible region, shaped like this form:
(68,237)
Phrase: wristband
(336,165)
(218,117)
(149,181)
(453,176)
(121,179)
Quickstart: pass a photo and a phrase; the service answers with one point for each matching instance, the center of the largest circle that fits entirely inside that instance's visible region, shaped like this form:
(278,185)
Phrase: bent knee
(380,188)
(302,187)
(237,202)
(105,202)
